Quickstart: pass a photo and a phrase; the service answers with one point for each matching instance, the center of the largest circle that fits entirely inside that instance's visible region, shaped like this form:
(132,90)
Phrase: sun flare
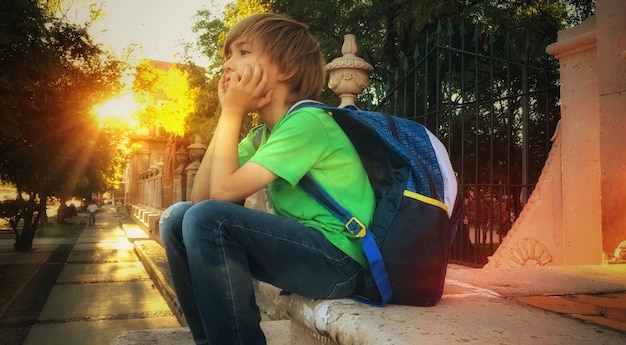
(119,110)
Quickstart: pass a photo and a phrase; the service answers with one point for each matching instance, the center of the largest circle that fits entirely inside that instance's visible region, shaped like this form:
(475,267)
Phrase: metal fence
(493,100)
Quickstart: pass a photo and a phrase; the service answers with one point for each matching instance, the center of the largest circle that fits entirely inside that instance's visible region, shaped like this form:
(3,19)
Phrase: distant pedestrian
(92,208)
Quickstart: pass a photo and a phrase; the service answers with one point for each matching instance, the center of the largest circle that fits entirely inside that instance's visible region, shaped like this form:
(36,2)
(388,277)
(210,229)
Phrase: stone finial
(196,150)
(181,158)
(159,165)
(349,74)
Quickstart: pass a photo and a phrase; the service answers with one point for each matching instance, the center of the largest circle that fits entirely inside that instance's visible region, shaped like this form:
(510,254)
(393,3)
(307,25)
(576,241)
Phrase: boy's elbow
(221,194)
(227,193)
(212,193)
(198,196)
(195,200)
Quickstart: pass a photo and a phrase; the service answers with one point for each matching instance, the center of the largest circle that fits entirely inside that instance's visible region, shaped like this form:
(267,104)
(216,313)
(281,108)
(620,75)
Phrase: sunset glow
(118,111)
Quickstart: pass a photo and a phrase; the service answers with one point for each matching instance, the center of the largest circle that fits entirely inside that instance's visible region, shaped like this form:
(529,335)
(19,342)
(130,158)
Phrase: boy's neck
(274,111)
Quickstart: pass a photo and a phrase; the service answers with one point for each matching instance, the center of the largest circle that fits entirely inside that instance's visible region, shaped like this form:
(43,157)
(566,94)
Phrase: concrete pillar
(181,160)
(158,186)
(611,42)
(139,163)
(580,145)
(196,152)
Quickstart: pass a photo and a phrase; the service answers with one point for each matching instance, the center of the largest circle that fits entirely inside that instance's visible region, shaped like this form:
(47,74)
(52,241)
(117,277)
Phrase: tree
(203,119)
(388,31)
(23,58)
(164,94)
(212,30)
(392,33)
(54,145)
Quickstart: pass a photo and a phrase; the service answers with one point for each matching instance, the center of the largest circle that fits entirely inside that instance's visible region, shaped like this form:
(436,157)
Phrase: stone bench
(347,322)
(469,312)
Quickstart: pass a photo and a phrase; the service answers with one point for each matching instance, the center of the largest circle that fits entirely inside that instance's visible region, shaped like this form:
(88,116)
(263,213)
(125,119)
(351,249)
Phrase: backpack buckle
(356,227)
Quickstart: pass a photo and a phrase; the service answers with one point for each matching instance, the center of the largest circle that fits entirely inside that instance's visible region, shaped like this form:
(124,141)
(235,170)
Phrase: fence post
(196,152)
(348,74)
(181,159)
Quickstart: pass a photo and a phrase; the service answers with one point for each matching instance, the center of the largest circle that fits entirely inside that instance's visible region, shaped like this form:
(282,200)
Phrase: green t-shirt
(309,140)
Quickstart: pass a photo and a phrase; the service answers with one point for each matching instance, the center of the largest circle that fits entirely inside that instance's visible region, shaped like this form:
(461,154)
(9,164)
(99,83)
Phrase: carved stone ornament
(348,74)
(620,253)
(529,252)
(181,159)
(196,150)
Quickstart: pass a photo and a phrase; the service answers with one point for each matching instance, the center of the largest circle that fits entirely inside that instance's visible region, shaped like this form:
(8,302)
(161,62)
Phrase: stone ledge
(276,332)
(165,336)
(154,260)
(466,314)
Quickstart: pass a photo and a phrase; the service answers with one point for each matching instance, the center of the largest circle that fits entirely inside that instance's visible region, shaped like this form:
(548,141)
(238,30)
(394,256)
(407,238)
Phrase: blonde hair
(290,46)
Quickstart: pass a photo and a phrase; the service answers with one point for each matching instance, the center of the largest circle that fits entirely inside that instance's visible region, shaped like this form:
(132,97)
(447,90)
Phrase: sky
(157,25)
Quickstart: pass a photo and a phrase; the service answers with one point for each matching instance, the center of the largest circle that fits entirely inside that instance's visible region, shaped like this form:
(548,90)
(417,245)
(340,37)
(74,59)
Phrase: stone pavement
(100,289)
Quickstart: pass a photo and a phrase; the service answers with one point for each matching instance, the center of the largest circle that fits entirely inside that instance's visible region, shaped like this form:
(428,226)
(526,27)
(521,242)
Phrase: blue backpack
(408,241)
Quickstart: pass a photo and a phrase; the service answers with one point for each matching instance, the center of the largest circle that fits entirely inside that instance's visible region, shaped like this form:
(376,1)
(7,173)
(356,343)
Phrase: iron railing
(494,102)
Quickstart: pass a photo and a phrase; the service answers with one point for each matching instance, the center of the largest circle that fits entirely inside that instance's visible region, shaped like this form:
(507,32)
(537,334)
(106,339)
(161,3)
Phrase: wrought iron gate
(494,102)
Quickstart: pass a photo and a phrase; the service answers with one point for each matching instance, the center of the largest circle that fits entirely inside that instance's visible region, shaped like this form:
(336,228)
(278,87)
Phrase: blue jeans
(215,249)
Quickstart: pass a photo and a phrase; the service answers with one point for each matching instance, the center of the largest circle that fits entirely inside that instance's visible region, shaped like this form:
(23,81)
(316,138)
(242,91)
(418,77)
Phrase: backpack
(408,241)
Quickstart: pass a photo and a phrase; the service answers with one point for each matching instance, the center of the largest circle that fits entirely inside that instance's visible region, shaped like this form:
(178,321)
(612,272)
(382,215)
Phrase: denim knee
(170,223)
(202,215)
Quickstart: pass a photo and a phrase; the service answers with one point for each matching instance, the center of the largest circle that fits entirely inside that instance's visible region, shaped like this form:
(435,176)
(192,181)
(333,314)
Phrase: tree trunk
(24,242)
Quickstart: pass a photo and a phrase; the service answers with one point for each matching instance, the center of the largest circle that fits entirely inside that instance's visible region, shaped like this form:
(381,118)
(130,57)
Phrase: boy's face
(242,53)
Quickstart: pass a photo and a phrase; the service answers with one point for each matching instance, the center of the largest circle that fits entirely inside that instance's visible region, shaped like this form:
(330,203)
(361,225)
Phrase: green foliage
(388,31)
(164,94)
(203,119)
(24,59)
(211,35)
(401,39)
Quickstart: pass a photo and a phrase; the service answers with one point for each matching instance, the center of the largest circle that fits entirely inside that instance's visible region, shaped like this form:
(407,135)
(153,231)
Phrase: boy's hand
(241,94)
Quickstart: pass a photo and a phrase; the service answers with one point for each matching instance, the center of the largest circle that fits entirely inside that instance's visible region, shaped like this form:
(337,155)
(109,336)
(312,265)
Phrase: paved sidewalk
(101,291)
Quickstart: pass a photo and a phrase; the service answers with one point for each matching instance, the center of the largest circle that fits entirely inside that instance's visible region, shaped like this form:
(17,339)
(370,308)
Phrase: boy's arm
(220,176)
(252,178)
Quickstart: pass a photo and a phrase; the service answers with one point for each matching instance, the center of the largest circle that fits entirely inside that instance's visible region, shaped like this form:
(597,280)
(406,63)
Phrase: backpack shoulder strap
(256,141)
(355,226)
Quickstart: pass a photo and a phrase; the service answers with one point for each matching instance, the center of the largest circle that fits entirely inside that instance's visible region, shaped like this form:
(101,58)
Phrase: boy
(215,247)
